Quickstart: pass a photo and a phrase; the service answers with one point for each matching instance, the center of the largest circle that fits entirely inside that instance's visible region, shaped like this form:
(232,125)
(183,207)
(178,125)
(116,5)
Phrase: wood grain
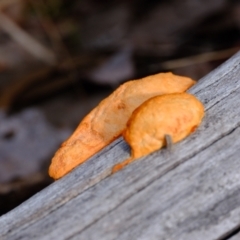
(189,192)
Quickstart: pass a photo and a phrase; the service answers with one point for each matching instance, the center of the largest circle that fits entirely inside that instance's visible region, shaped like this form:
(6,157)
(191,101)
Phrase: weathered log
(189,192)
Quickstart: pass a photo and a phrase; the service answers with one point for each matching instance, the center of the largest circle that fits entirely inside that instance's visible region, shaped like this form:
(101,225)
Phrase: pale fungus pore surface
(176,115)
(107,121)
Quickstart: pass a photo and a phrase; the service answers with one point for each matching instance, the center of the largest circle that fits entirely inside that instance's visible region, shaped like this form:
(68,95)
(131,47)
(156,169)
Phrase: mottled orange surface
(176,115)
(107,121)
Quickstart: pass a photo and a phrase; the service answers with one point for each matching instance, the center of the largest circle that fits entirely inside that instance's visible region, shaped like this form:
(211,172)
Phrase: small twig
(193,60)
(168,140)
(27,41)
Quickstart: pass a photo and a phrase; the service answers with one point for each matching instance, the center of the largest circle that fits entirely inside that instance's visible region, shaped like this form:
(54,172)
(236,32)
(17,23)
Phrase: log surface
(191,191)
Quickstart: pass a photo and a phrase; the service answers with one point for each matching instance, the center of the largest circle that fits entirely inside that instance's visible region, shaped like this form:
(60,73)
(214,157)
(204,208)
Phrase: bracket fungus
(176,115)
(108,120)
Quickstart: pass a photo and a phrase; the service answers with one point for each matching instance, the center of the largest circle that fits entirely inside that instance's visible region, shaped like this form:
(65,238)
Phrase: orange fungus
(175,115)
(107,121)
